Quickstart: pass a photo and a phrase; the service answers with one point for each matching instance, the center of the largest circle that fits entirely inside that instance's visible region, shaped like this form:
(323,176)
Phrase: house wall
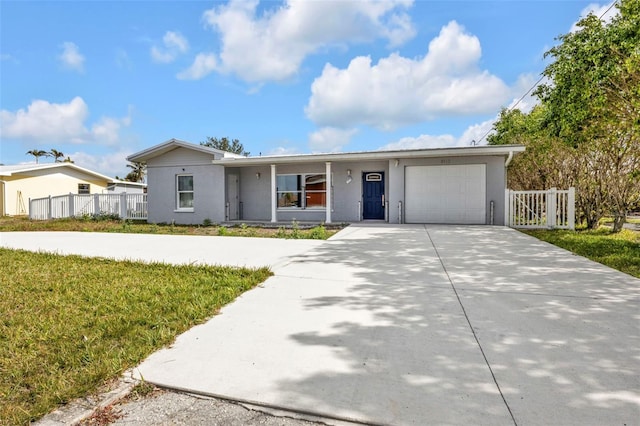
(208,187)
(20,188)
(495,175)
(255,194)
(347,196)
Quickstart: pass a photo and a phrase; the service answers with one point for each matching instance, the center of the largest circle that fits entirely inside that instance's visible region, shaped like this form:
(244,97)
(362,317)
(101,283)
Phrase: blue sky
(100,80)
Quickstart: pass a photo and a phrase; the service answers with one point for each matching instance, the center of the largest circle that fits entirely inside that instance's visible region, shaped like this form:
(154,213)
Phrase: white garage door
(445,194)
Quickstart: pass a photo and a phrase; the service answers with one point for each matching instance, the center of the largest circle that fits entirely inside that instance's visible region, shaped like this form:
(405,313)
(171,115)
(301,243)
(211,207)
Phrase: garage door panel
(445,194)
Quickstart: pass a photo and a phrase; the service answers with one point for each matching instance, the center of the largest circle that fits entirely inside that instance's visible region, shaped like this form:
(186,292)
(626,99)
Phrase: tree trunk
(619,220)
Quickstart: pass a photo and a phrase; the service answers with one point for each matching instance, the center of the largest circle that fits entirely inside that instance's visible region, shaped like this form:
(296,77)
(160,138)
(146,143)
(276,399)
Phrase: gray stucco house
(189,183)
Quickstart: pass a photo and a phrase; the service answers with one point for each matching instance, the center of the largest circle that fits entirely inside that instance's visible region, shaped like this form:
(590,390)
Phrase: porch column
(274,195)
(329,204)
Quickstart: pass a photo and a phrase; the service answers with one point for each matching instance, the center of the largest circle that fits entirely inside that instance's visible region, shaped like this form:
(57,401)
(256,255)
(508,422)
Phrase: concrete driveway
(412,324)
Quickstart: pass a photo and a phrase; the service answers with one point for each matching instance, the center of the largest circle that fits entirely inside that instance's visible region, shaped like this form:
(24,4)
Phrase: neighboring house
(120,186)
(191,183)
(19,183)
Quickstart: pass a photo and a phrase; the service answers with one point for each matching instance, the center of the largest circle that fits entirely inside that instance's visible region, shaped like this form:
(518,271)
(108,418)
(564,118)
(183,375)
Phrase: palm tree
(138,170)
(56,155)
(37,153)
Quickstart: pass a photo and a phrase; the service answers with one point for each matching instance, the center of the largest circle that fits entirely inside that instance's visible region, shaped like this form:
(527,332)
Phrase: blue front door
(373,195)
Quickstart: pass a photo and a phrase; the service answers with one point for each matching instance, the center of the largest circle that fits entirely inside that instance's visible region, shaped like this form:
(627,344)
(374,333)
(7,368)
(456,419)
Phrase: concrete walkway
(412,325)
(174,249)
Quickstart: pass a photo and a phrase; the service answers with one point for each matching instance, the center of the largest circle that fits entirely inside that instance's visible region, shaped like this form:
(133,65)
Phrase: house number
(445,161)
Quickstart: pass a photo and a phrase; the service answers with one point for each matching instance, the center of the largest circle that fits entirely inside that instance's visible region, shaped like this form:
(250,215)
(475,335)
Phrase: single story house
(188,184)
(22,182)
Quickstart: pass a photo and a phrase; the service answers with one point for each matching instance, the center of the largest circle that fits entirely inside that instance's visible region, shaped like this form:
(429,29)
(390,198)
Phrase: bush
(318,233)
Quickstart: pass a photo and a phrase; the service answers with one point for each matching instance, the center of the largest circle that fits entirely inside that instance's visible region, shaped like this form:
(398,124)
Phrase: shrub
(317,233)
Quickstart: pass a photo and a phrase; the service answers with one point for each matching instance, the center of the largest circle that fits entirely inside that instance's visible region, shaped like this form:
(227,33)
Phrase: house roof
(503,150)
(172,144)
(19,169)
(228,159)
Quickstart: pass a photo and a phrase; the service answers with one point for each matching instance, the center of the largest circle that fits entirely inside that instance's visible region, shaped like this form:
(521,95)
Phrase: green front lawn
(620,251)
(68,323)
(108,224)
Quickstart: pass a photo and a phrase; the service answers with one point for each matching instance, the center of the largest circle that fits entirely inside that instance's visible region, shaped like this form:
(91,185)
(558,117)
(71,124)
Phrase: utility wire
(474,142)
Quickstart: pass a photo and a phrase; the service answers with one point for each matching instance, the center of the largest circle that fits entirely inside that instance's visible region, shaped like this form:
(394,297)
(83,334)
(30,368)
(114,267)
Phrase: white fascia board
(374,155)
(36,167)
(169,145)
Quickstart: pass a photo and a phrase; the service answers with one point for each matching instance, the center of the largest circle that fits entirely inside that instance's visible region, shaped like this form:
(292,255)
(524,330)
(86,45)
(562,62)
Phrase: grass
(108,224)
(68,324)
(620,251)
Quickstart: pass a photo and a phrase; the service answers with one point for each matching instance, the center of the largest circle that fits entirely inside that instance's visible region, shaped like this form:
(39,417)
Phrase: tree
(137,173)
(545,163)
(224,144)
(586,131)
(37,153)
(594,102)
(57,155)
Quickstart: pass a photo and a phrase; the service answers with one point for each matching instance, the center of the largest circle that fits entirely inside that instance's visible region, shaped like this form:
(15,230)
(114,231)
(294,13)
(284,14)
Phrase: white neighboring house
(19,183)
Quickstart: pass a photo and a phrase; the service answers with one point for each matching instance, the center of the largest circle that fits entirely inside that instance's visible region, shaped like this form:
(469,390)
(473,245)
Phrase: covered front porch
(308,192)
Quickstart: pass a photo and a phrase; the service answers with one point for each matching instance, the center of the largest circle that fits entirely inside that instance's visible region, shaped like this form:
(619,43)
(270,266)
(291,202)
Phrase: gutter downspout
(509,158)
(507,195)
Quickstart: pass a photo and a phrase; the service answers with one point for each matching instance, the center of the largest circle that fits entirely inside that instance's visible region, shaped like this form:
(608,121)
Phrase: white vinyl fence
(549,209)
(126,206)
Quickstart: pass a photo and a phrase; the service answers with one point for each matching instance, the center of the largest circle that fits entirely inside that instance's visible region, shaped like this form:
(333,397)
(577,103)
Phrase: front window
(185,192)
(302,191)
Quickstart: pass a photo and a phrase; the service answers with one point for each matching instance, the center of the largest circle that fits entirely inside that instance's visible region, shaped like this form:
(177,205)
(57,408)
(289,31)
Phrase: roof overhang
(25,169)
(128,183)
(484,150)
(170,145)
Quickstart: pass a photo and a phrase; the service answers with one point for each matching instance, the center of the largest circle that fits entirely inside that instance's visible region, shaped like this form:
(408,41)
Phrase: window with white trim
(184,190)
(303,191)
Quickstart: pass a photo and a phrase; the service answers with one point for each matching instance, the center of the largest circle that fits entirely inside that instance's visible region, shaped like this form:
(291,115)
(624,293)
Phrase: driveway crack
(464,311)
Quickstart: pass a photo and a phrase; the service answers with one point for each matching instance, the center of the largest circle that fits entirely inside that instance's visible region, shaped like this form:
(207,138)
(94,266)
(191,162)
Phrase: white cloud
(422,141)
(47,122)
(174,44)
(204,64)
(398,90)
(330,139)
(475,134)
(110,164)
(281,150)
(271,47)
(71,57)
(469,137)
